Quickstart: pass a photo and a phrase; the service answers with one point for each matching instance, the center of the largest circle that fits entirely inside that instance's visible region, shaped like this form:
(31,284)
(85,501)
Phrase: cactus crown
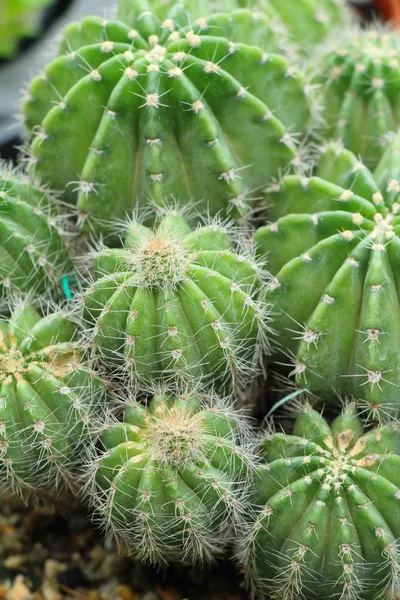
(168,484)
(340,232)
(360,82)
(325,498)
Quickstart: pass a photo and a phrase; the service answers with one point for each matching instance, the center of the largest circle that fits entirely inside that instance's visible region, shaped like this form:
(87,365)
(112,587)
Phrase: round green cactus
(49,398)
(327,512)
(360,82)
(334,258)
(170,481)
(178,303)
(19,19)
(33,250)
(151,110)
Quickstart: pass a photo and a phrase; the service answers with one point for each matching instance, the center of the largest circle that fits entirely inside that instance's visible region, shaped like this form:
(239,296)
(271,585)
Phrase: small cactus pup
(173,113)
(19,19)
(334,259)
(176,303)
(327,512)
(33,237)
(360,85)
(170,480)
(49,400)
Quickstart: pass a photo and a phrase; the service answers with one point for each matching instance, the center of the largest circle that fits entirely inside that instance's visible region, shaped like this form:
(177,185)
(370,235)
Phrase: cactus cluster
(175,113)
(19,19)
(208,228)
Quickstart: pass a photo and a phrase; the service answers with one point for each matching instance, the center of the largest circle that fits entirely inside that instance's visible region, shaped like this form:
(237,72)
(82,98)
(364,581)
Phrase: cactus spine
(168,482)
(19,19)
(360,82)
(188,116)
(334,257)
(33,250)
(178,303)
(49,401)
(327,502)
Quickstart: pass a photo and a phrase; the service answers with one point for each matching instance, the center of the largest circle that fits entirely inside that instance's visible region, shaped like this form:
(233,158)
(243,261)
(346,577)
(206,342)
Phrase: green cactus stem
(170,479)
(19,19)
(152,110)
(178,303)
(33,237)
(360,82)
(49,400)
(327,512)
(334,257)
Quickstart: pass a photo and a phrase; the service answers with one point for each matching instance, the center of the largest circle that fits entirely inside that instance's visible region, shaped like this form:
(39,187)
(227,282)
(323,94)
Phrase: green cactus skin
(360,82)
(327,512)
(334,259)
(124,116)
(19,19)
(49,400)
(33,244)
(170,481)
(178,303)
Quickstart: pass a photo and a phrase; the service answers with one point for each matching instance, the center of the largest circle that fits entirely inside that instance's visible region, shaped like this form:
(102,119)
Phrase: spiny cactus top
(49,398)
(152,110)
(18,19)
(334,255)
(169,484)
(328,512)
(360,81)
(178,303)
(33,254)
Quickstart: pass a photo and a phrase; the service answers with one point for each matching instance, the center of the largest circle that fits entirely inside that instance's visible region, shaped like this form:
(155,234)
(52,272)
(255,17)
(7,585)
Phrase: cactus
(33,253)
(334,259)
(162,111)
(49,400)
(305,22)
(169,478)
(326,523)
(360,82)
(177,303)
(19,19)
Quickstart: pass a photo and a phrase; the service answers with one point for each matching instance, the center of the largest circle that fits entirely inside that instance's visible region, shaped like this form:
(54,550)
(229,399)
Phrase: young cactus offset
(327,512)
(178,303)
(49,398)
(360,83)
(173,112)
(19,19)
(170,482)
(33,254)
(334,256)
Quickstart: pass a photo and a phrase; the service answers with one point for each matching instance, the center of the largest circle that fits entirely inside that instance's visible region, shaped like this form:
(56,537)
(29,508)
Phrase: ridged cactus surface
(327,523)
(334,255)
(152,110)
(49,401)
(168,482)
(178,303)
(33,251)
(360,79)
(19,19)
